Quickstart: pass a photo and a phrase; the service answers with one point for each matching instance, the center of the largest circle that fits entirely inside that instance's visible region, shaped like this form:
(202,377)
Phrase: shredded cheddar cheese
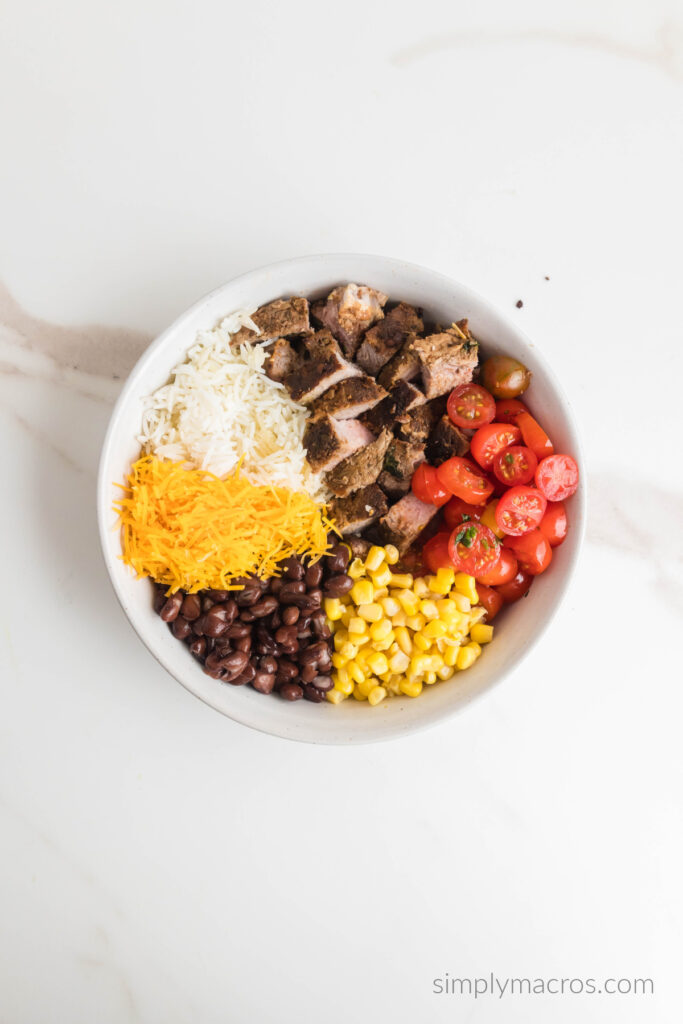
(191,530)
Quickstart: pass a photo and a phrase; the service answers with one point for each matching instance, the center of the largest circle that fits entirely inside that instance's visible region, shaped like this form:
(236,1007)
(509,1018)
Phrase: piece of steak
(405,365)
(324,367)
(282,360)
(405,521)
(418,424)
(393,409)
(328,442)
(445,441)
(383,340)
(400,462)
(349,311)
(360,469)
(359,510)
(349,398)
(277,319)
(446,359)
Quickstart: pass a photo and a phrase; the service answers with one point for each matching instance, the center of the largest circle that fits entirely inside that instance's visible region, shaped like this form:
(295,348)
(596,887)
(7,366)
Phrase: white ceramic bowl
(517,629)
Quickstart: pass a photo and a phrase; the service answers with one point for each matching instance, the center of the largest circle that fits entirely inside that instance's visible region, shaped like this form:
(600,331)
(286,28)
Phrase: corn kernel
(409,603)
(393,684)
(430,678)
(422,642)
(374,558)
(448,609)
(450,656)
(334,609)
(378,663)
(399,619)
(335,696)
(356,570)
(411,689)
(419,663)
(356,626)
(367,685)
(444,580)
(420,588)
(362,592)
(488,518)
(376,695)
(360,640)
(468,655)
(390,605)
(348,650)
(399,662)
(355,671)
(340,638)
(382,577)
(445,672)
(461,602)
(429,610)
(465,585)
(482,634)
(403,580)
(370,612)
(416,622)
(344,687)
(384,645)
(390,554)
(435,629)
(358,693)
(404,640)
(380,593)
(338,660)
(380,630)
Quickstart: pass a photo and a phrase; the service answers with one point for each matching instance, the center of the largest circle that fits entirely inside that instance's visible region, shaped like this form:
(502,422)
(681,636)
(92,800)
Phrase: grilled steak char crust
(359,510)
(328,442)
(276,320)
(383,340)
(445,441)
(349,311)
(282,360)
(400,462)
(349,398)
(446,360)
(324,367)
(361,469)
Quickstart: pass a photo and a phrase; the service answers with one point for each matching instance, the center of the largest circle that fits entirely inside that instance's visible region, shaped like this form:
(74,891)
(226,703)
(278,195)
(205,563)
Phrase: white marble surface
(160,863)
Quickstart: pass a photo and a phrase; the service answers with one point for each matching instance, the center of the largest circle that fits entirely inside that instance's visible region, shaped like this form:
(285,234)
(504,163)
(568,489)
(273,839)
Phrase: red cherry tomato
(557,477)
(520,510)
(533,551)
(533,435)
(456,510)
(504,570)
(435,553)
(554,523)
(427,487)
(515,465)
(507,409)
(465,480)
(516,588)
(473,548)
(491,439)
(470,406)
(490,600)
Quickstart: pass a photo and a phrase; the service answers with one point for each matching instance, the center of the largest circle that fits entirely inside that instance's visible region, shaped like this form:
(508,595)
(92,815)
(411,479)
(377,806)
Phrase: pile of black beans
(272,634)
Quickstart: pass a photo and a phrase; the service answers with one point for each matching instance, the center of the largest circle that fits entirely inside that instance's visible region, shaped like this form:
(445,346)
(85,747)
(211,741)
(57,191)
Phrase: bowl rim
(103,491)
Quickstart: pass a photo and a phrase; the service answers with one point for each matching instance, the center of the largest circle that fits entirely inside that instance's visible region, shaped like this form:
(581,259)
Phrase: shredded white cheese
(220,406)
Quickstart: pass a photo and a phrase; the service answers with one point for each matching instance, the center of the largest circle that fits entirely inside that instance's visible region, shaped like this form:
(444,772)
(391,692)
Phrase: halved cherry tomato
(465,480)
(507,409)
(473,548)
(505,377)
(490,600)
(435,553)
(427,486)
(516,588)
(504,570)
(491,439)
(515,465)
(533,552)
(458,511)
(470,405)
(520,510)
(534,436)
(557,477)
(554,523)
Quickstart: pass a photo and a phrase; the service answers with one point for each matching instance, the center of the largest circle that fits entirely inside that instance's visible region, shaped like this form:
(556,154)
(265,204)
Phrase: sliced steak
(383,340)
(276,319)
(406,397)
(324,367)
(328,442)
(400,462)
(446,359)
(405,521)
(405,365)
(445,441)
(282,360)
(418,424)
(393,409)
(359,546)
(349,398)
(353,514)
(349,311)
(361,469)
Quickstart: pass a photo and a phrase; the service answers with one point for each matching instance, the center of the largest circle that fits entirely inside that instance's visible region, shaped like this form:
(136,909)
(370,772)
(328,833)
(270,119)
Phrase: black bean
(198,647)
(235,663)
(268,664)
(323,683)
(315,595)
(264,681)
(337,559)
(159,598)
(285,634)
(310,693)
(320,626)
(337,586)
(314,574)
(207,603)
(289,592)
(242,643)
(308,673)
(304,632)
(290,614)
(215,673)
(308,657)
(218,595)
(276,620)
(181,628)
(266,606)
(250,594)
(291,691)
(276,584)
(215,621)
(192,607)
(292,568)
(287,669)
(244,677)
(246,615)
(171,608)
(238,629)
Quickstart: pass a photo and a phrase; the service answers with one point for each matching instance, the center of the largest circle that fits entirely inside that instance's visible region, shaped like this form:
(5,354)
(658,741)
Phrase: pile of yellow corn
(393,634)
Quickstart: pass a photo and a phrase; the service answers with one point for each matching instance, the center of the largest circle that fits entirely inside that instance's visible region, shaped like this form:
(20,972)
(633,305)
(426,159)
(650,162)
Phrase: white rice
(219,407)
